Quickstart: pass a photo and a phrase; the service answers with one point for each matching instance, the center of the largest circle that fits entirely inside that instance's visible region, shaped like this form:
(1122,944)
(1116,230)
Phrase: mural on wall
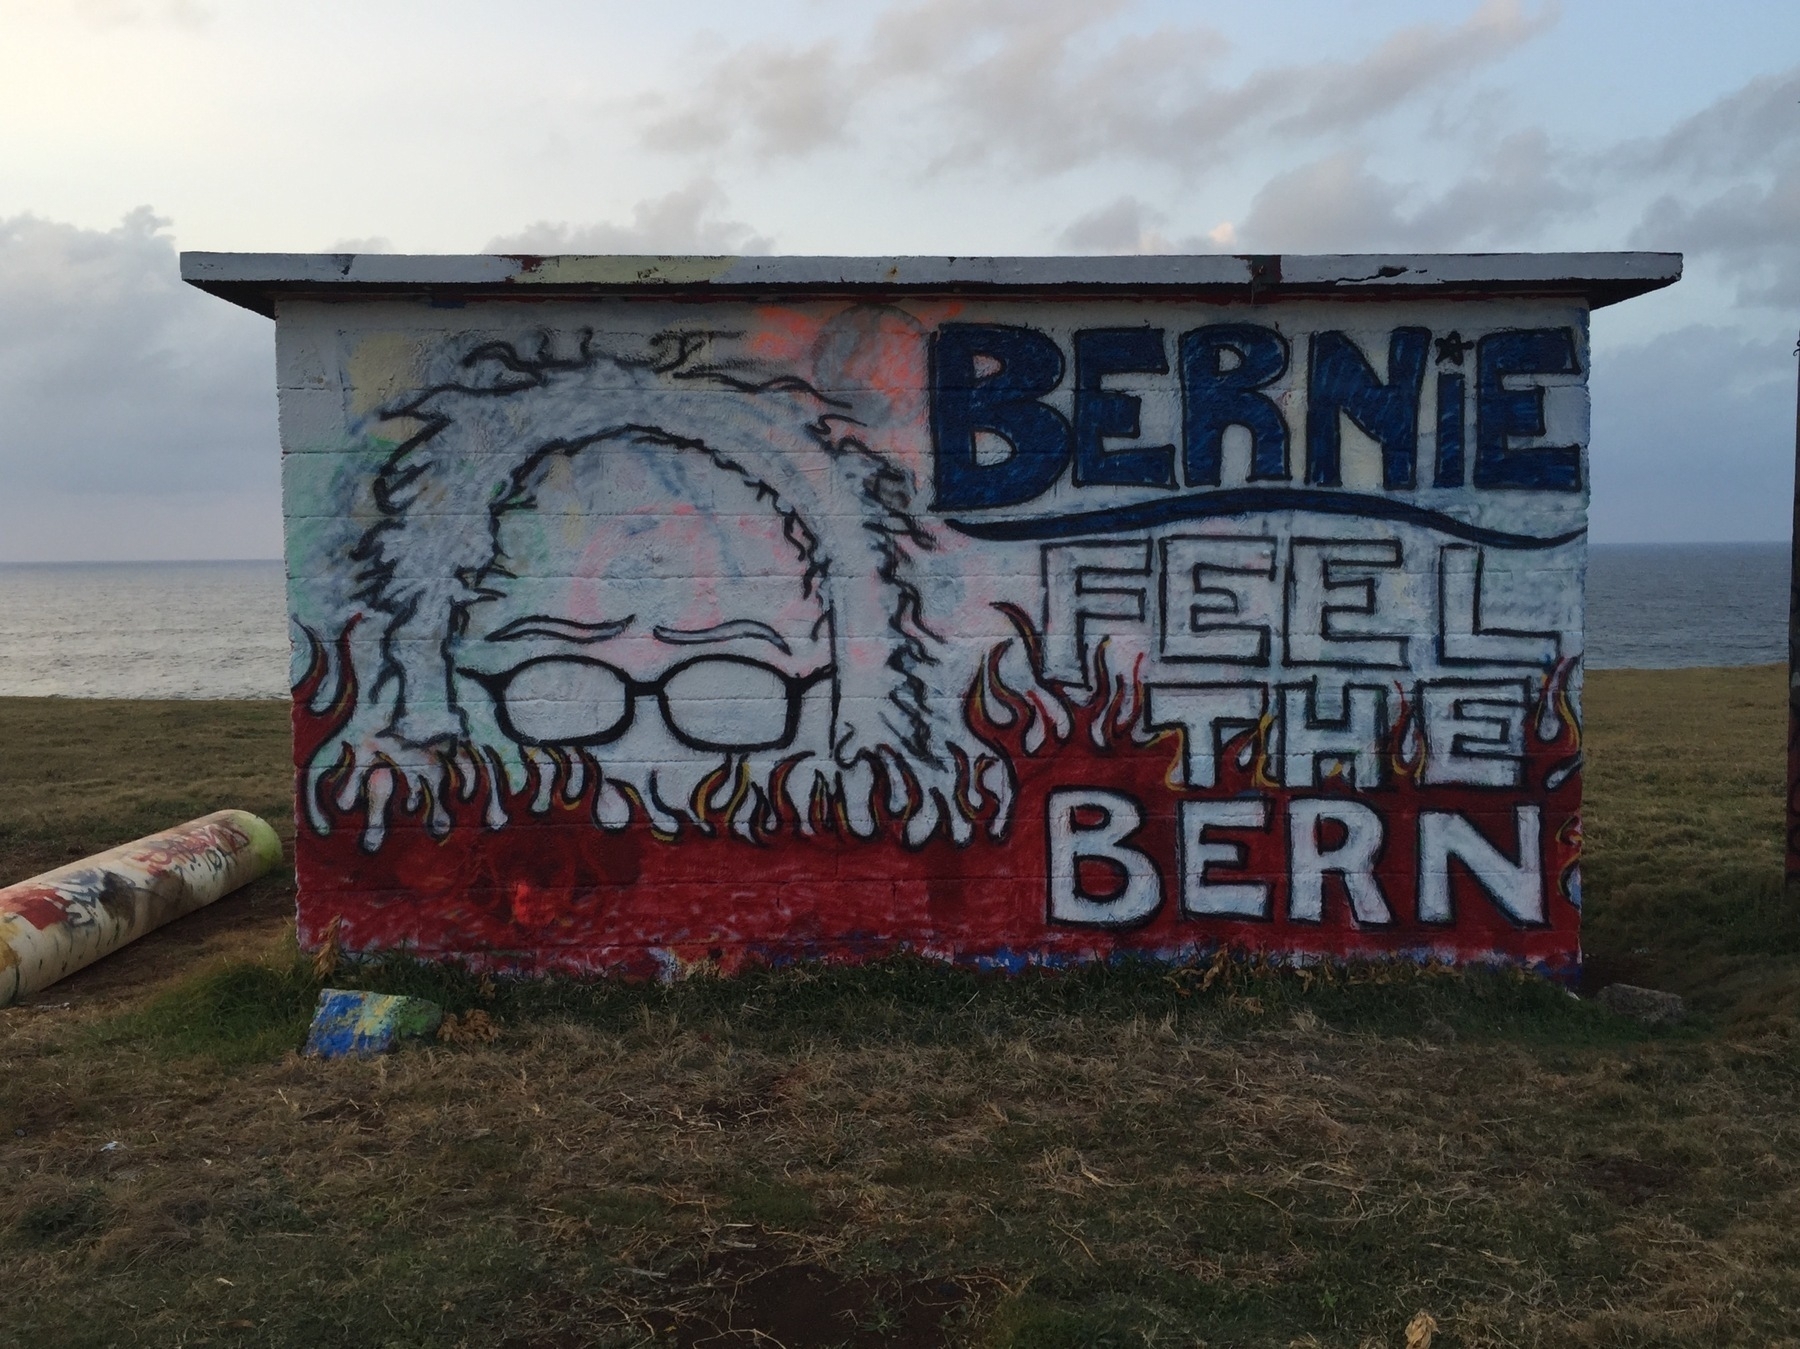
(638,635)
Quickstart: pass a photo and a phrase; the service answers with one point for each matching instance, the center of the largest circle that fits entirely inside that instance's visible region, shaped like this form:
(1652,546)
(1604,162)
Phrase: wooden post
(1793,756)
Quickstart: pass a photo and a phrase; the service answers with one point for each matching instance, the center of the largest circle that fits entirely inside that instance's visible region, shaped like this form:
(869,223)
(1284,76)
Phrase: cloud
(1751,231)
(784,99)
(1337,203)
(1127,225)
(122,383)
(373,243)
(778,101)
(1410,62)
(1048,91)
(683,221)
(123,13)
(1333,204)
(1721,185)
(1693,437)
(1052,85)
(1524,185)
(1738,133)
(1732,171)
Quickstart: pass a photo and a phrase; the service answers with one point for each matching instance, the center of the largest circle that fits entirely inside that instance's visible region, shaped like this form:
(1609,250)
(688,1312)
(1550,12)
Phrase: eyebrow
(720,632)
(562,629)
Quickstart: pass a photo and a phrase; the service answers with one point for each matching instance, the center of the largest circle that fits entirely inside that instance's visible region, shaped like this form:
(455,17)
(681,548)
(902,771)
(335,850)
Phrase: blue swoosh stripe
(1247,501)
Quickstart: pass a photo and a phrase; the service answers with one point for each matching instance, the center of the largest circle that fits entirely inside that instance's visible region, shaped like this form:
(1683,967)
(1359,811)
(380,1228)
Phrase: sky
(137,416)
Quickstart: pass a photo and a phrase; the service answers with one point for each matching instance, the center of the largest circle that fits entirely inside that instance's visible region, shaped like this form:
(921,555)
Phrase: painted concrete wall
(633,634)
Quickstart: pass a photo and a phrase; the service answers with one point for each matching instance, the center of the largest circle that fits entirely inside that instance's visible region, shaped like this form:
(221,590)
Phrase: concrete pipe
(56,923)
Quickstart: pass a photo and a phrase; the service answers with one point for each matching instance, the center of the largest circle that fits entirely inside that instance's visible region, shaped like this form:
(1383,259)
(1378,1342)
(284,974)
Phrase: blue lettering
(999,443)
(1005,402)
(1449,432)
(1102,412)
(1340,380)
(1502,414)
(1215,396)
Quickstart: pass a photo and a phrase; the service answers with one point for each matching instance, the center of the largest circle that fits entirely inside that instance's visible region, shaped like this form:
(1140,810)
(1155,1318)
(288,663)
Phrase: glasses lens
(566,702)
(728,704)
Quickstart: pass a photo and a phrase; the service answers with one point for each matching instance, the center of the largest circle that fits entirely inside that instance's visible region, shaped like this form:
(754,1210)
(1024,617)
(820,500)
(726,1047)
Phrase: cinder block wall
(635,634)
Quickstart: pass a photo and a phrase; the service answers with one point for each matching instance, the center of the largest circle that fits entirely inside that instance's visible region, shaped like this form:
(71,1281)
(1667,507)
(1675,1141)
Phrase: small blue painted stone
(351,1024)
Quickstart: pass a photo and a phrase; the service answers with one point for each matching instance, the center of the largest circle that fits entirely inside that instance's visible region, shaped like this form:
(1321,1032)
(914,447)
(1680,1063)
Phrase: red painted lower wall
(554,892)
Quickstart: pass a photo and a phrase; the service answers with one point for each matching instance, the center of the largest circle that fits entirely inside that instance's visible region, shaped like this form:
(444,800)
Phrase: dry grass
(908,1155)
(1684,837)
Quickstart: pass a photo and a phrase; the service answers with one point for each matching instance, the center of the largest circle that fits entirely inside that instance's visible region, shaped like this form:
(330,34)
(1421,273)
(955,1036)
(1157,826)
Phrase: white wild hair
(484,435)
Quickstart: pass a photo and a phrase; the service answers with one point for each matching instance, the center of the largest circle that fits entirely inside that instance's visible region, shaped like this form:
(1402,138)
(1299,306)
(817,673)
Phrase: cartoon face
(621,571)
(645,600)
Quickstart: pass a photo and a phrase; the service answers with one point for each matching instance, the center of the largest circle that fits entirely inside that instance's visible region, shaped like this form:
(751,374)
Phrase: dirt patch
(358,1115)
(758,1298)
(1629,1181)
(1600,969)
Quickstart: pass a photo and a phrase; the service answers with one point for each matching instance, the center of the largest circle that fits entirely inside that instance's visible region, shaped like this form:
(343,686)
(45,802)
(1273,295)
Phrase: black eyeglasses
(721,703)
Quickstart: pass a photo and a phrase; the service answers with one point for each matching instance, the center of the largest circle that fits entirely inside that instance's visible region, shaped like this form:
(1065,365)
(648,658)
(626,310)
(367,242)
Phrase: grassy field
(914,1156)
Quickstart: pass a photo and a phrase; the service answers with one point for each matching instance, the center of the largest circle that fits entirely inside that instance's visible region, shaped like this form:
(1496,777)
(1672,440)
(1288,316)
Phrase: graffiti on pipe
(54,924)
(657,636)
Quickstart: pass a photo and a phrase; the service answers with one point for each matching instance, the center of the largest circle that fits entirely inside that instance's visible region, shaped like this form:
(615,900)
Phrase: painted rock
(1651,1006)
(350,1024)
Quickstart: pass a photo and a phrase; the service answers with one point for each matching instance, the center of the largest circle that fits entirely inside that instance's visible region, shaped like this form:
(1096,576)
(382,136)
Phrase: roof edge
(256,280)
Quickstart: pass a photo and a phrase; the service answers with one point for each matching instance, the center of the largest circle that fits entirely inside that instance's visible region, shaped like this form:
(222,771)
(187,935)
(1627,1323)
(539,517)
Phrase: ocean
(144,630)
(219,629)
(1660,606)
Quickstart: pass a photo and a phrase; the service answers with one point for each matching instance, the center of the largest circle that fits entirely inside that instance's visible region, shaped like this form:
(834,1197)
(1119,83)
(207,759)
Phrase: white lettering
(1474,733)
(1206,898)
(1218,599)
(1338,600)
(1310,742)
(1517,887)
(1463,638)
(1353,859)
(1088,586)
(1072,842)
(1207,715)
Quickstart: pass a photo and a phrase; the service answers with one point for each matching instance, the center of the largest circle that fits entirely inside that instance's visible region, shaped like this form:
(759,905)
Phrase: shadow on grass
(240,1012)
(921,1001)
(244,1012)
